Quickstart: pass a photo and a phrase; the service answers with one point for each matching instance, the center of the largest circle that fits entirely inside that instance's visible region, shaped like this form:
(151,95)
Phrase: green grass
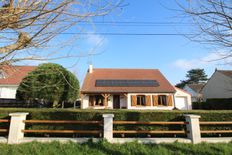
(89,148)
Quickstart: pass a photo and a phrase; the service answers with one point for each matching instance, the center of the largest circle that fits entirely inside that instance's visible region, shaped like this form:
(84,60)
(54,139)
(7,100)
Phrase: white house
(10,78)
(127,89)
(183,99)
(194,90)
(219,86)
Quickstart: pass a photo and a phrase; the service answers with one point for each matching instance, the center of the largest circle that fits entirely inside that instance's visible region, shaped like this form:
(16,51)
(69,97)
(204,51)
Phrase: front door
(116,101)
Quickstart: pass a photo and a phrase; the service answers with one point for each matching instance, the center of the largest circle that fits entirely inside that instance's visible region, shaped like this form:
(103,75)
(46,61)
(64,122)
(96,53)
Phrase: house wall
(125,102)
(8,92)
(192,92)
(150,107)
(219,86)
(185,95)
(85,102)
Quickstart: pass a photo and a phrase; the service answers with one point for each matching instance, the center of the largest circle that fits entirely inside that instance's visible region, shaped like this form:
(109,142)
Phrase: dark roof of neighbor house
(13,75)
(226,72)
(126,76)
(196,87)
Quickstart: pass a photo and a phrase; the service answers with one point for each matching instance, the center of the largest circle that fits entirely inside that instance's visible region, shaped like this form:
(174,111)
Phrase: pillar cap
(192,116)
(108,115)
(19,114)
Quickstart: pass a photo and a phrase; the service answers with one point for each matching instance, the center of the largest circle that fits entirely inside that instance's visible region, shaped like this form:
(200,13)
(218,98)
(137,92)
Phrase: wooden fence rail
(64,131)
(216,123)
(61,122)
(149,132)
(149,123)
(4,120)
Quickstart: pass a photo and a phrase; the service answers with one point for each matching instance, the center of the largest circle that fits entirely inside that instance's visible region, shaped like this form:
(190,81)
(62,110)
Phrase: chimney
(90,68)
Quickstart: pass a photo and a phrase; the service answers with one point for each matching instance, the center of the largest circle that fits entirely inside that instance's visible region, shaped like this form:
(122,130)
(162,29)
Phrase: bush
(49,83)
(214,104)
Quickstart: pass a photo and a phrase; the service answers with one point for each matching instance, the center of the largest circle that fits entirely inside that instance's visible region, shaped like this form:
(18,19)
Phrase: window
(141,100)
(162,100)
(99,100)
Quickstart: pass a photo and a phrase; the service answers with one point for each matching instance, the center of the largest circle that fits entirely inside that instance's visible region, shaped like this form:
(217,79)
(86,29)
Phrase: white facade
(8,91)
(183,100)
(195,95)
(125,102)
(218,86)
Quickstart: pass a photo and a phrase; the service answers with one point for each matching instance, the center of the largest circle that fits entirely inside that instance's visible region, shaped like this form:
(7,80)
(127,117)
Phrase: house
(127,89)
(194,90)
(219,86)
(183,99)
(10,78)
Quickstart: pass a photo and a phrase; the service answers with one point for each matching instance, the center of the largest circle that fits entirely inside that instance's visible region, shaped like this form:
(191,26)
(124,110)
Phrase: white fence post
(193,128)
(108,126)
(16,127)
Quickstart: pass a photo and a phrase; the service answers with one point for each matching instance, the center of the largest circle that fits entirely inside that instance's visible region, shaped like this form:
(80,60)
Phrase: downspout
(174,101)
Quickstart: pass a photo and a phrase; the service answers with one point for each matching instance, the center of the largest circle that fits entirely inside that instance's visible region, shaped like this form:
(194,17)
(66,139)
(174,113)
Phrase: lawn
(89,148)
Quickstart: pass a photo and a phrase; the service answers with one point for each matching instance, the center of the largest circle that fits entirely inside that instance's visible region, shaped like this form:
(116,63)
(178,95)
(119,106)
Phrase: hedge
(214,104)
(127,115)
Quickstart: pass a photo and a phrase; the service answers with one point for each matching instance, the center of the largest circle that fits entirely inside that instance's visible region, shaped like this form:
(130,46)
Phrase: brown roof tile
(13,75)
(126,74)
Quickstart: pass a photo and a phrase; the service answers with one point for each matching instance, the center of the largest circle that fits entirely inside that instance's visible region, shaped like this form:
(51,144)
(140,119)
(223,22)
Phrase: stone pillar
(193,128)
(108,126)
(16,127)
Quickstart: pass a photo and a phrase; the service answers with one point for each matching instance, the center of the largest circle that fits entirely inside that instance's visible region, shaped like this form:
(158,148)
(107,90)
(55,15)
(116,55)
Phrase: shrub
(49,83)
(214,104)
(127,115)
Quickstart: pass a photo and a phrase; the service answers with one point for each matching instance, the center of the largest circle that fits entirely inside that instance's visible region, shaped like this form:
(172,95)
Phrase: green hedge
(129,115)
(214,104)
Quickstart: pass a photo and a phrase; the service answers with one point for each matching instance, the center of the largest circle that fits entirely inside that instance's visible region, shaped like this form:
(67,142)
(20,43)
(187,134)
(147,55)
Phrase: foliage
(194,76)
(103,147)
(49,82)
(214,104)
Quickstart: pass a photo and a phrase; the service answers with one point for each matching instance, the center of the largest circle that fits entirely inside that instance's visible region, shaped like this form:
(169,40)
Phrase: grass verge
(90,148)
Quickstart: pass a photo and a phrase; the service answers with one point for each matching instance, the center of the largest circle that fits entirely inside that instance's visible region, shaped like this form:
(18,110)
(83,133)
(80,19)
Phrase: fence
(190,129)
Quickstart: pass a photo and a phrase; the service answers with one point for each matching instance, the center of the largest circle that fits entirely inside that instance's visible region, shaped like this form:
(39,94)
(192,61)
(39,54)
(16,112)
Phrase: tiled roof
(89,85)
(226,72)
(196,87)
(13,75)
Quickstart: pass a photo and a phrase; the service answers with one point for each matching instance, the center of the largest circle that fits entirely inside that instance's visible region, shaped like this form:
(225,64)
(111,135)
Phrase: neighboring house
(219,86)
(126,89)
(10,78)
(194,90)
(182,100)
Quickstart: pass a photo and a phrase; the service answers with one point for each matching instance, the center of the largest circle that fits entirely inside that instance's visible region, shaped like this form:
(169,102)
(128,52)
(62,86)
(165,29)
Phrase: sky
(172,55)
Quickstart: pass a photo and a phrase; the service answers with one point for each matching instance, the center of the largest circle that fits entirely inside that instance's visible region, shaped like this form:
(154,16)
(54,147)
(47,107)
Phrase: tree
(28,25)
(194,76)
(213,20)
(49,83)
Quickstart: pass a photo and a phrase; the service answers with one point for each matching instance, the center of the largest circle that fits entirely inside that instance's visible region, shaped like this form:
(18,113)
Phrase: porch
(163,101)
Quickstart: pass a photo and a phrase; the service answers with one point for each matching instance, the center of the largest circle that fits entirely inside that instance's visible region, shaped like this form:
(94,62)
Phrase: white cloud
(96,39)
(212,59)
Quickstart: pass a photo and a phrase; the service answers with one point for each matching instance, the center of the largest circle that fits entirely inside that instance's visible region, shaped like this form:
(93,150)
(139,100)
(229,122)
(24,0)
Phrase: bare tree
(213,19)
(26,25)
